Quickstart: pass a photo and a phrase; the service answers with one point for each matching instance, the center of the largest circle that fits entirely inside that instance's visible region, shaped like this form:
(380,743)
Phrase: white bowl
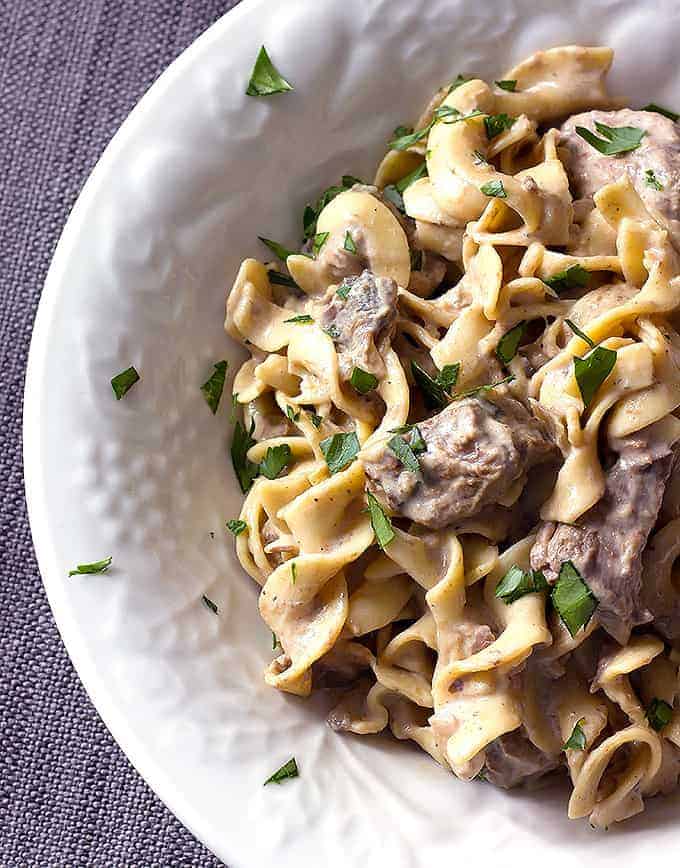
(194,175)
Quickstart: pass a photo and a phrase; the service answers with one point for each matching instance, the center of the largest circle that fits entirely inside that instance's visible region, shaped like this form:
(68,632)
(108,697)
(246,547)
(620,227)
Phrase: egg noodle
(458,435)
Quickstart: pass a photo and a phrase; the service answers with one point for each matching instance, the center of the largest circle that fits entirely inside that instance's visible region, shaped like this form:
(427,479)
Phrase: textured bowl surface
(195,174)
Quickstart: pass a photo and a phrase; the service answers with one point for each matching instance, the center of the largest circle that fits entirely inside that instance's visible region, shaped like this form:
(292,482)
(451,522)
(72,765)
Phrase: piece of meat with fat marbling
(361,324)
(606,543)
(512,761)
(478,449)
(659,151)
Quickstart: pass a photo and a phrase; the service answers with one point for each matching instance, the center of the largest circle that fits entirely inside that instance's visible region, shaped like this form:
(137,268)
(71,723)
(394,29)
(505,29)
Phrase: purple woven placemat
(70,72)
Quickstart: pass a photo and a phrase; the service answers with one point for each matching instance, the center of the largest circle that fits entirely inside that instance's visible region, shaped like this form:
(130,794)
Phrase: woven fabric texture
(70,72)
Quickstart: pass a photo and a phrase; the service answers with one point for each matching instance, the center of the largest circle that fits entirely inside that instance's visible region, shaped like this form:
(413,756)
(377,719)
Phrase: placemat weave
(70,72)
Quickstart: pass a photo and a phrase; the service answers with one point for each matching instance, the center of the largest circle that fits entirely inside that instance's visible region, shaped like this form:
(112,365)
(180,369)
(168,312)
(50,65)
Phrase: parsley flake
(402,449)
(574,277)
(615,140)
(123,382)
(275,460)
(572,598)
(340,450)
(652,181)
(509,343)
(592,371)
(213,387)
(481,390)
(245,470)
(277,249)
(497,124)
(302,319)
(293,572)
(508,84)
(236,526)
(287,770)
(577,739)
(349,244)
(381,524)
(363,381)
(91,569)
(517,583)
(265,79)
(435,390)
(319,240)
(659,714)
(494,189)
(660,110)
(281,279)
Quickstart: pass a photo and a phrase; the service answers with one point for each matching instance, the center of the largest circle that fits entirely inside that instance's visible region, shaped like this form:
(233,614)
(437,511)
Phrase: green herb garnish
(497,124)
(315,419)
(319,240)
(275,641)
(652,181)
(436,390)
(124,381)
(572,598)
(210,605)
(404,453)
(394,196)
(458,80)
(277,249)
(660,110)
(517,583)
(311,212)
(411,178)
(509,343)
(494,189)
(479,159)
(381,524)
(577,739)
(615,140)
(292,413)
(363,381)
(275,460)
(349,244)
(659,714)
(343,291)
(340,450)
(446,114)
(213,387)
(592,371)
(281,279)
(574,277)
(508,84)
(265,79)
(245,470)
(302,319)
(293,572)
(236,526)
(91,569)
(287,770)
(577,331)
(481,390)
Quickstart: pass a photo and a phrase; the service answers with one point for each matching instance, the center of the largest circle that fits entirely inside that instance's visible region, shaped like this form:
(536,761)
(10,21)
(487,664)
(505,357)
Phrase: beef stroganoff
(459,439)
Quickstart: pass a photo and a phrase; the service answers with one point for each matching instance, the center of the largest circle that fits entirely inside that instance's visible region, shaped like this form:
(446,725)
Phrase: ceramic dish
(178,199)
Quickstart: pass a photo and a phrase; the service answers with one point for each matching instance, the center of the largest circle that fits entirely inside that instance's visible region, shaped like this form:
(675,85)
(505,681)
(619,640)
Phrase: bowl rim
(132,748)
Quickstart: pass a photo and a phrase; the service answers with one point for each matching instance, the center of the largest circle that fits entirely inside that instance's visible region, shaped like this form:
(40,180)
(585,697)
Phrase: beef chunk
(589,170)
(477,449)
(362,324)
(512,760)
(607,542)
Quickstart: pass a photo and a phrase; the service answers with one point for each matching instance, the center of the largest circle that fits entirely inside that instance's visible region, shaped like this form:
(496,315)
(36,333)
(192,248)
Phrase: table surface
(70,72)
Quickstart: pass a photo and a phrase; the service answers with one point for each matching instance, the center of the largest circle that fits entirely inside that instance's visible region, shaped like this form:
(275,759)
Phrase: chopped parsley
(123,382)
(349,244)
(652,181)
(287,770)
(316,420)
(210,605)
(659,714)
(236,526)
(508,84)
(292,413)
(363,381)
(293,572)
(265,79)
(381,524)
(509,343)
(660,110)
(479,159)
(577,331)
(277,249)
(319,240)
(481,390)
(302,319)
(340,450)
(411,178)
(435,390)
(497,124)
(245,470)
(402,449)
(572,598)
(458,80)
(394,196)
(615,140)
(275,641)
(91,569)
(281,279)
(311,213)
(343,291)
(494,189)
(445,113)
(574,277)
(577,739)
(592,371)
(275,460)
(517,583)
(213,387)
